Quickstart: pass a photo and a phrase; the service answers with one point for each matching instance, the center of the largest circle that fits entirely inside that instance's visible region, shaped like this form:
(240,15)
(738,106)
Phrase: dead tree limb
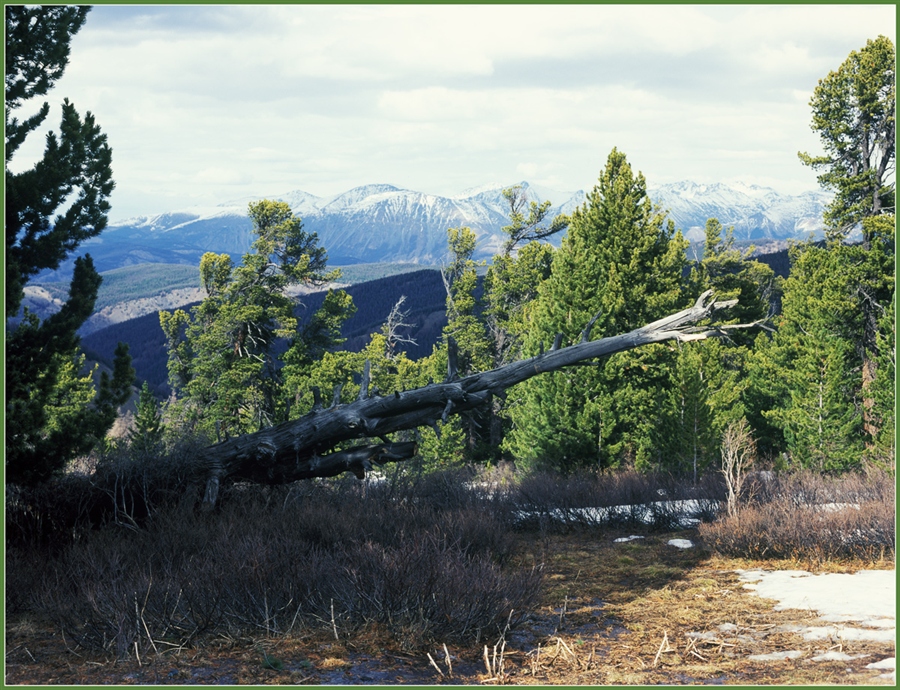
(300,449)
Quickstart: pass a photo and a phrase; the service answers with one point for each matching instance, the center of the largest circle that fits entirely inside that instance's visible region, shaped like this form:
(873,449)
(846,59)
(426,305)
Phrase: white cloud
(218,101)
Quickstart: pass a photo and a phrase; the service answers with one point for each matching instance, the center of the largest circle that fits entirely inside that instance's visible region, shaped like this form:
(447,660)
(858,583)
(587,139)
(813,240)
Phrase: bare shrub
(738,454)
(315,556)
(807,516)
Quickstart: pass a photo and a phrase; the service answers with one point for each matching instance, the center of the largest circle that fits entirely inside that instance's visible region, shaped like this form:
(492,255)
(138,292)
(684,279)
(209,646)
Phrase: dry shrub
(808,516)
(316,556)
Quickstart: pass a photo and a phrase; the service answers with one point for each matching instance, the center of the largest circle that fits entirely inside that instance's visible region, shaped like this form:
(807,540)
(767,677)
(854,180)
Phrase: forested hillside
(424,291)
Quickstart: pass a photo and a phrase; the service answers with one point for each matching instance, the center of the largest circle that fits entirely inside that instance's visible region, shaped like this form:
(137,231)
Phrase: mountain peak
(385,223)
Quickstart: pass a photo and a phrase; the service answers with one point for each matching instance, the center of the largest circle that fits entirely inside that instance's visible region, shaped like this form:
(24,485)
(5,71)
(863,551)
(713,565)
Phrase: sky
(207,104)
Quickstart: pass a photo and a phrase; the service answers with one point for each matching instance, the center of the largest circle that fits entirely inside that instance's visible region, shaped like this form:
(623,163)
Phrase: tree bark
(299,449)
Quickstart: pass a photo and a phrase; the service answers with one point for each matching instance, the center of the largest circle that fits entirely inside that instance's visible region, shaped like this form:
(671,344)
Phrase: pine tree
(222,359)
(619,267)
(708,379)
(42,359)
(884,389)
(803,378)
(464,322)
(147,434)
(854,115)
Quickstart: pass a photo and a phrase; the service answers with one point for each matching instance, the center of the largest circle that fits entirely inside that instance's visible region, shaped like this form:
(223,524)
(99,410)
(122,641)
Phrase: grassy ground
(609,613)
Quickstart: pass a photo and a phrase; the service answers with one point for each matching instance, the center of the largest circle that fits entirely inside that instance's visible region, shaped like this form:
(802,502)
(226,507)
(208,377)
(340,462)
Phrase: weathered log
(299,449)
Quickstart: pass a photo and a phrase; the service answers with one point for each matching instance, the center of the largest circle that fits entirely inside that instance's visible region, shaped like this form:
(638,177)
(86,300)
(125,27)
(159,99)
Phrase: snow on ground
(861,606)
(684,512)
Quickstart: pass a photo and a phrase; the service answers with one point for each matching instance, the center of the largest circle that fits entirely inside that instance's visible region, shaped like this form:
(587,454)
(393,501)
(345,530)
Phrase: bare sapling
(738,454)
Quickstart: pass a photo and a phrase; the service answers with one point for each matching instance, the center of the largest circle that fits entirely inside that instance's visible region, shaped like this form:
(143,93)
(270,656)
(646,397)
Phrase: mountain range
(384,223)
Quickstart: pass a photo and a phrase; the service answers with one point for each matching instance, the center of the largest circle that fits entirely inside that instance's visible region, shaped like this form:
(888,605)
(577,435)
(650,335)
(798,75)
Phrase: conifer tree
(883,390)
(222,359)
(803,378)
(147,433)
(854,113)
(708,382)
(619,267)
(42,359)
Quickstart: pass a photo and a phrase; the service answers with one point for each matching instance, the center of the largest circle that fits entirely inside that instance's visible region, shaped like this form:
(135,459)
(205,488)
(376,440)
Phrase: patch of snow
(833,632)
(631,538)
(836,507)
(889,663)
(867,596)
(838,656)
(708,635)
(776,656)
(681,543)
(686,512)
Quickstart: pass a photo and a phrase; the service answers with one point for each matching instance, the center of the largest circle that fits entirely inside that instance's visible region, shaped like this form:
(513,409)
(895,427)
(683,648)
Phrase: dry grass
(636,612)
(610,613)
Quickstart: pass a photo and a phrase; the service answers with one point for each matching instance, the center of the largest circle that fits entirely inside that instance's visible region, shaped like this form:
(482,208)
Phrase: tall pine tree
(621,264)
(805,378)
(52,410)
(708,380)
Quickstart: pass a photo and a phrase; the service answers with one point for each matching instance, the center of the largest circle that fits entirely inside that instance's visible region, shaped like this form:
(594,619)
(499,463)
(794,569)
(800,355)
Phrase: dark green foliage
(147,434)
(708,379)
(854,114)
(223,361)
(75,161)
(621,265)
(805,373)
(522,229)
(52,413)
(883,388)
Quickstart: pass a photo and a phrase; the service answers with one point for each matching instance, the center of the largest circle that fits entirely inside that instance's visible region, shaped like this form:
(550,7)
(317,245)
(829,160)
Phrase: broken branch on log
(299,449)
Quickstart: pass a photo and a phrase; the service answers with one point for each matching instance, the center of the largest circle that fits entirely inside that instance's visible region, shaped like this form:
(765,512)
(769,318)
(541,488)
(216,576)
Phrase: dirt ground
(612,613)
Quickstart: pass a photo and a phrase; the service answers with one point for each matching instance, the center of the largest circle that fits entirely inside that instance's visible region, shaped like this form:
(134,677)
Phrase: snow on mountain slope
(755,212)
(384,223)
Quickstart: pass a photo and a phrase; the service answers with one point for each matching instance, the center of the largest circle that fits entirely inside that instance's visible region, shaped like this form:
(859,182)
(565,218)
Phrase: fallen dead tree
(302,448)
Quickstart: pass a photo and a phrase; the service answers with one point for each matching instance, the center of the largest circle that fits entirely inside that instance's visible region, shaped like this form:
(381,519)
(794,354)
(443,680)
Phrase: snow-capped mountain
(757,213)
(384,223)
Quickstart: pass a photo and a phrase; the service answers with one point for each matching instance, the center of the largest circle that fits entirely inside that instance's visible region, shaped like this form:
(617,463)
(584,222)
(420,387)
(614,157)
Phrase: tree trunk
(299,449)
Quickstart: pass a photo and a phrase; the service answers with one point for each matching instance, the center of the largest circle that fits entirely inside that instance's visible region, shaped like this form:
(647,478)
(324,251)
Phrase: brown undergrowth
(638,612)
(419,581)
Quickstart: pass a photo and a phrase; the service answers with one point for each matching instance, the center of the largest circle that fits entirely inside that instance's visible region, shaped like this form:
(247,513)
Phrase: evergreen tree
(523,229)
(804,378)
(464,322)
(854,115)
(466,337)
(884,389)
(221,357)
(42,359)
(511,285)
(621,266)
(685,440)
(510,289)
(708,380)
(147,434)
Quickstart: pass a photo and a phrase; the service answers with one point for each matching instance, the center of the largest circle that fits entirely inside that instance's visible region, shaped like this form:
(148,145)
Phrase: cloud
(264,99)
